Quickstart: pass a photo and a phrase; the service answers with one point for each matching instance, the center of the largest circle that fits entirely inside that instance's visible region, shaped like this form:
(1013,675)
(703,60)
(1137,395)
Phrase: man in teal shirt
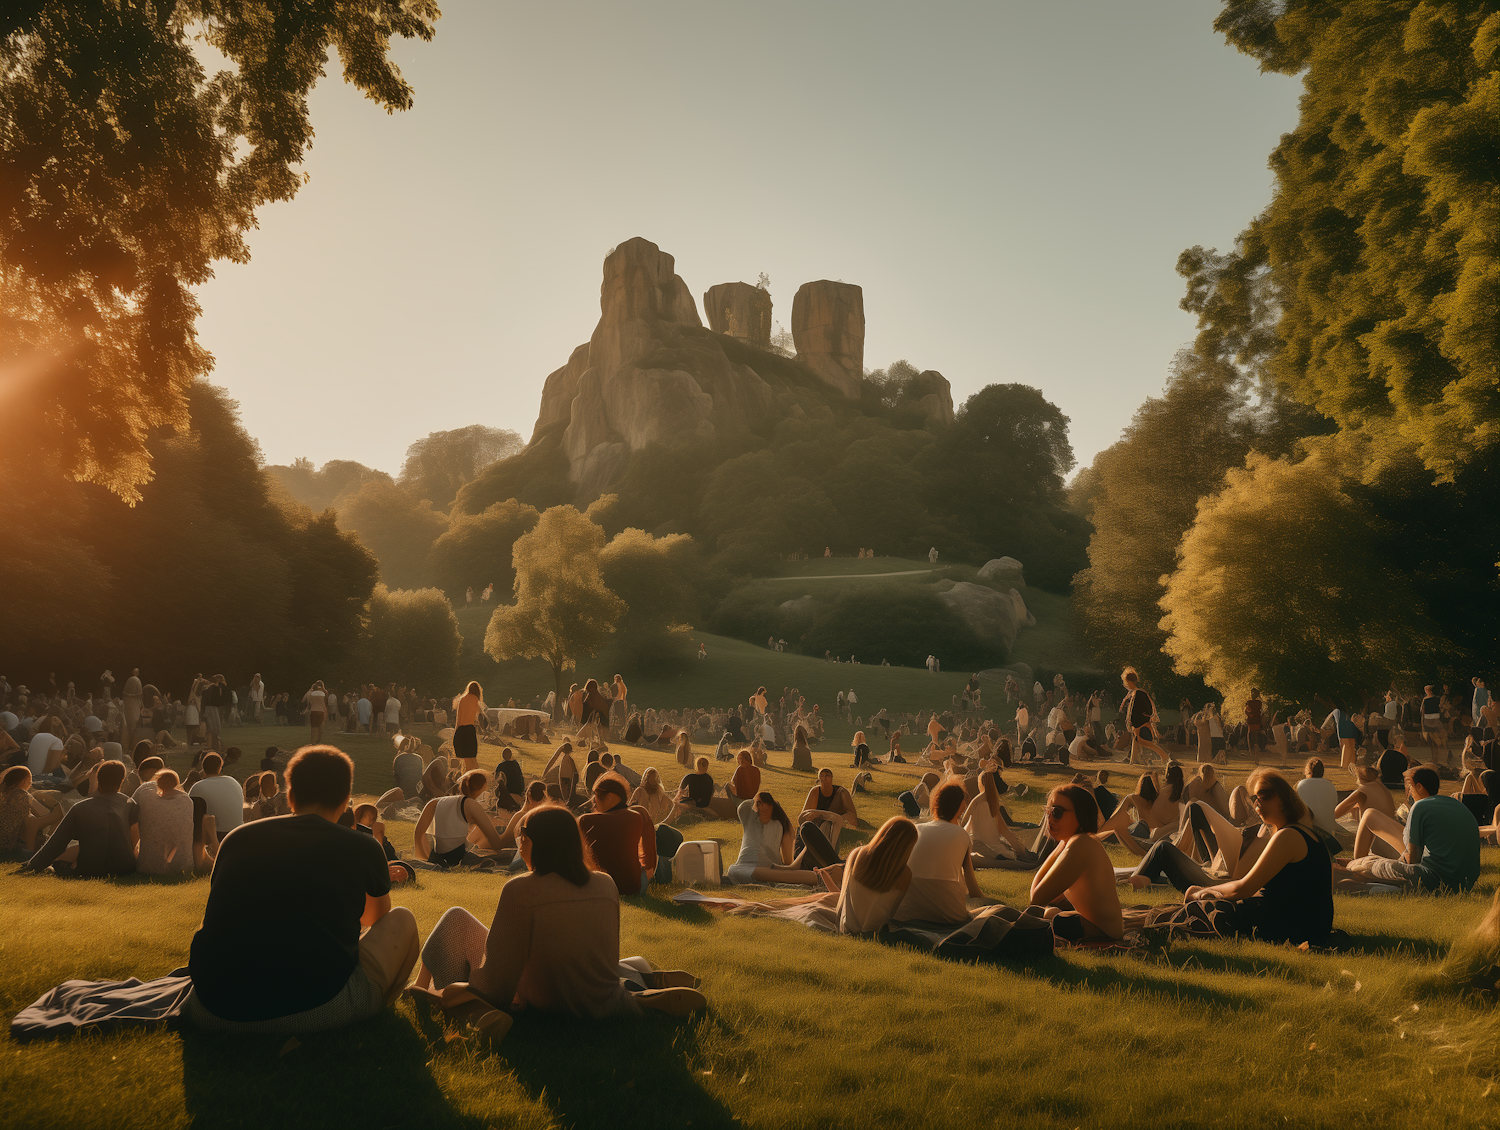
(1440,840)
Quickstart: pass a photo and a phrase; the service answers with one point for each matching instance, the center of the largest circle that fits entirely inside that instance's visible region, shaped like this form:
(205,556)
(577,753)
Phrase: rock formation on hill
(652,374)
(828,327)
(739,310)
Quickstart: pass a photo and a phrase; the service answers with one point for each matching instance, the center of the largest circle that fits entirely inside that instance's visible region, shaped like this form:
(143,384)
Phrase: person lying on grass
(1160,809)
(1439,843)
(1287,893)
(1076,884)
(553,944)
(768,845)
(942,866)
(456,822)
(307,905)
(992,841)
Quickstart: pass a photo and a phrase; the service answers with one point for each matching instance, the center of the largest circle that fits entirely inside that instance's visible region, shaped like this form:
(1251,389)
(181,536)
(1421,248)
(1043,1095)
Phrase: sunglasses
(1056,812)
(1262,796)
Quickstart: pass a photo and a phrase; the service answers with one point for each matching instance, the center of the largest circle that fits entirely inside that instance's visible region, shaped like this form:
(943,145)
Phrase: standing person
(257,697)
(392,710)
(1254,716)
(107,682)
(306,904)
(215,704)
(617,704)
(317,709)
(466,708)
(1338,722)
(1432,723)
(1139,712)
(133,703)
(469,596)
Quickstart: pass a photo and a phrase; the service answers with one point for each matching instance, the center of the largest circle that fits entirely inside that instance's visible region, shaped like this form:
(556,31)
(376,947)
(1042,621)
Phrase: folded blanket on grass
(75,1005)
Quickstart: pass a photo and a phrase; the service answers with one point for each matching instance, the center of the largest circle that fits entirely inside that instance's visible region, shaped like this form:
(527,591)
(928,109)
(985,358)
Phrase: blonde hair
(883,859)
(166,781)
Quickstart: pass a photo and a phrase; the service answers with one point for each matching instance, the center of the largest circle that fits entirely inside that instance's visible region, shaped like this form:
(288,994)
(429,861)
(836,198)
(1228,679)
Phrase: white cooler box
(698,861)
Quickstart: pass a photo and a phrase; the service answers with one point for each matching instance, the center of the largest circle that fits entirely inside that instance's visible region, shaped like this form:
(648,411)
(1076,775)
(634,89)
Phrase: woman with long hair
(801,750)
(684,748)
(466,710)
(766,849)
(1076,882)
(625,843)
(995,845)
(457,821)
(553,945)
(651,796)
(22,816)
(1159,808)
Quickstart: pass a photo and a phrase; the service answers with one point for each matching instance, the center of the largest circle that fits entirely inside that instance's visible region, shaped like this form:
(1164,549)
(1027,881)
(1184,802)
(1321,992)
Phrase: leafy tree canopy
(126,171)
(440,463)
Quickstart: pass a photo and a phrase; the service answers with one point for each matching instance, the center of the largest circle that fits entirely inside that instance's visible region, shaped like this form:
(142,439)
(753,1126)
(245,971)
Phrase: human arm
(971,881)
(56,844)
(376,908)
(1350,803)
(419,837)
(788,847)
(1281,850)
(1053,878)
(481,820)
(648,839)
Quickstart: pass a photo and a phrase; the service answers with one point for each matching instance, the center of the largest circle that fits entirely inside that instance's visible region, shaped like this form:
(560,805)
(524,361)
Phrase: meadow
(802,1029)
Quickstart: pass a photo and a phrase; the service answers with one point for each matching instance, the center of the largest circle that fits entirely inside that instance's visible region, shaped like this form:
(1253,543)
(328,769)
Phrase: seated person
(223,795)
(1480,794)
(746,780)
(1369,793)
(615,763)
(456,821)
(406,768)
(766,849)
(1076,884)
(100,824)
(696,791)
(915,801)
(655,799)
(1287,894)
(436,781)
(554,943)
(510,781)
(23,817)
(1321,797)
(561,774)
(1106,800)
(829,808)
(942,866)
(1394,763)
(992,842)
(164,816)
(1439,844)
(1160,810)
(367,822)
(307,905)
(625,844)
(876,877)
(1207,787)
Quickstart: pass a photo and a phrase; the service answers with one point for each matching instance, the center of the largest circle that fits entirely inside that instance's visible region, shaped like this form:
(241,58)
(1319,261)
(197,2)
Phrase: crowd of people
(1261,860)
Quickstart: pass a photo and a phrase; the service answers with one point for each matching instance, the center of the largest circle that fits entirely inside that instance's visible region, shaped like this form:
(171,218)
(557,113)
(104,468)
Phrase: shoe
(493,1025)
(669,979)
(674,1002)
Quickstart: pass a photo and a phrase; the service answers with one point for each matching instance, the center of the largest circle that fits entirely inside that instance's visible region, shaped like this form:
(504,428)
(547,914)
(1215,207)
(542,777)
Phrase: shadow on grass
(687,913)
(375,1071)
(1396,944)
(618,1073)
(1104,978)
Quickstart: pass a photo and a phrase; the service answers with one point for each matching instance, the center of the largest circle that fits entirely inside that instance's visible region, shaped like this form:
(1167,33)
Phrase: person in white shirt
(224,796)
(392,714)
(942,868)
(317,709)
(1321,797)
(44,755)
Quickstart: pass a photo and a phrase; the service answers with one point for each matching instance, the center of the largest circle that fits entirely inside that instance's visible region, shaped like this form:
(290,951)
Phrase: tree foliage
(412,637)
(439,464)
(126,171)
(318,488)
(563,609)
(395,527)
(659,581)
(477,549)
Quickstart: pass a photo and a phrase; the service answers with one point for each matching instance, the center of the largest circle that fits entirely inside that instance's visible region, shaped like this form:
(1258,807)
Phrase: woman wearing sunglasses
(1287,894)
(1076,884)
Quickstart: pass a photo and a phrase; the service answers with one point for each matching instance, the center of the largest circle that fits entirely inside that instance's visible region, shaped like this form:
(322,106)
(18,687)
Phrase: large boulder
(1024,616)
(991,615)
(828,328)
(936,401)
(739,310)
(1005,571)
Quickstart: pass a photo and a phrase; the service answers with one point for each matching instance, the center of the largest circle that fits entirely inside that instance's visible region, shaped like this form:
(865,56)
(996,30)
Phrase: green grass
(802,1030)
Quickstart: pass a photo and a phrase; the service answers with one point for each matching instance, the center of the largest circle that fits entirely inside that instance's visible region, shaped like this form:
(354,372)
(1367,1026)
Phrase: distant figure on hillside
(702,652)
(489,590)
(827,552)
(932,555)
(469,595)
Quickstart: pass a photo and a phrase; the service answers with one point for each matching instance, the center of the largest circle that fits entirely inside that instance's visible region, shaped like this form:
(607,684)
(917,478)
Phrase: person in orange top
(466,708)
(746,780)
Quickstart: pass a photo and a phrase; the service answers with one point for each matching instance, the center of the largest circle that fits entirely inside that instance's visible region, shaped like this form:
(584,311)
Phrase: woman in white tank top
(453,820)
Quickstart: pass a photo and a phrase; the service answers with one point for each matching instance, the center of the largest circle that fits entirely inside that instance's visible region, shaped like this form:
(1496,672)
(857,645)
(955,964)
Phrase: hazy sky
(1010,183)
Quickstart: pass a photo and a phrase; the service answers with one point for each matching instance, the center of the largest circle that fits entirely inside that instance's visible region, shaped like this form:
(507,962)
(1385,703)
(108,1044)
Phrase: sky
(1010,183)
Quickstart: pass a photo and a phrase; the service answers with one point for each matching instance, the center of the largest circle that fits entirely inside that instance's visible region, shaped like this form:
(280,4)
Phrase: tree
(477,549)
(395,527)
(412,636)
(126,172)
(320,488)
(1314,608)
(658,579)
(438,465)
(1380,238)
(563,609)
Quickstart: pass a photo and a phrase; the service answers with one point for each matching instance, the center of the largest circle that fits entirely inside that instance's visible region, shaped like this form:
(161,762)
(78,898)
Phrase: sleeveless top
(468,710)
(1299,898)
(449,825)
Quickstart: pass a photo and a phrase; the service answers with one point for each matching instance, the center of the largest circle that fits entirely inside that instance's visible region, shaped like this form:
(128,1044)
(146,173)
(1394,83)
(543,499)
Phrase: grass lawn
(802,1030)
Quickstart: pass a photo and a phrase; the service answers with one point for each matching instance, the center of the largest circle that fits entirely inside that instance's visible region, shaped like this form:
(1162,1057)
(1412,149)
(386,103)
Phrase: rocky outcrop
(992,616)
(559,390)
(1004,571)
(936,404)
(828,328)
(739,310)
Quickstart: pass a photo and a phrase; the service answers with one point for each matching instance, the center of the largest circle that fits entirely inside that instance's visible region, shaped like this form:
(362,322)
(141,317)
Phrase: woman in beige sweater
(554,943)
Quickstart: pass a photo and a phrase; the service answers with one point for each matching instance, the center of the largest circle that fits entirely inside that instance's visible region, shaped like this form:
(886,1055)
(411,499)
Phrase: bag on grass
(698,861)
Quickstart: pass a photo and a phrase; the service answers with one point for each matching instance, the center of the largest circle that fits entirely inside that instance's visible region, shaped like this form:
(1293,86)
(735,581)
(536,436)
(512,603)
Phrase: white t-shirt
(8,720)
(393,709)
(1321,797)
(41,745)
(225,800)
(316,700)
(1078,747)
(939,852)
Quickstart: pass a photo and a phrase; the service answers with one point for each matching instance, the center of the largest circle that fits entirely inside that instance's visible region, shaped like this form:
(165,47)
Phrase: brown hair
(1291,804)
(557,844)
(472,783)
(111,776)
(883,858)
(1085,807)
(947,801)
(166,781)
(320,775)
(1313,768)
(611,783)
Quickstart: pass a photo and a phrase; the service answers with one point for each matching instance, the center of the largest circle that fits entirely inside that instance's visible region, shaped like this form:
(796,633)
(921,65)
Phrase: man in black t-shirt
(299,934)
(1139,711)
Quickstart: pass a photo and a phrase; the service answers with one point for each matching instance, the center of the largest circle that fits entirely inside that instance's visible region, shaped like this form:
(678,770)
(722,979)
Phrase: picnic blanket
(76,1005)
(992,934)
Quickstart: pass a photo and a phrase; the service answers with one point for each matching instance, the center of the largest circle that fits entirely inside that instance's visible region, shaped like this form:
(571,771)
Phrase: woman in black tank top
(1287,896)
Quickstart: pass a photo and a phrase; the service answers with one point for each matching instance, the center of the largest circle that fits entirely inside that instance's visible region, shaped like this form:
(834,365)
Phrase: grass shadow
(376,1068)
(687,913)
(1065,974)
(626,1072)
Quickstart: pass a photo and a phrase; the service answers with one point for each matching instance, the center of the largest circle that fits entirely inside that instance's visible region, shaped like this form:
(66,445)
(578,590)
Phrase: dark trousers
(1165,861)
(668,840)
(816,845)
